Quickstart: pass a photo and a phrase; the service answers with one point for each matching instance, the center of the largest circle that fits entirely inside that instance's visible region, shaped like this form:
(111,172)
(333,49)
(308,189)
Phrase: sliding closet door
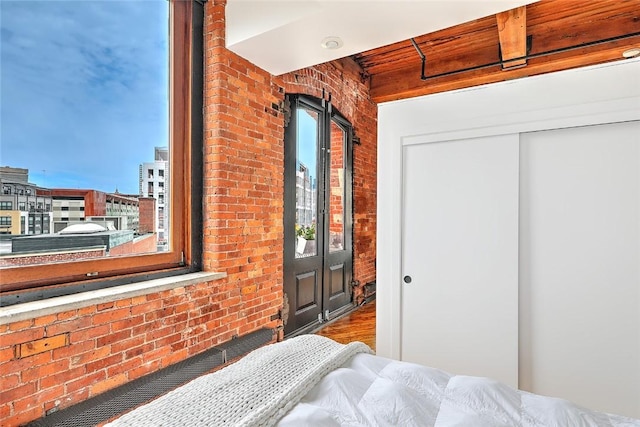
(460,256)
(580,265)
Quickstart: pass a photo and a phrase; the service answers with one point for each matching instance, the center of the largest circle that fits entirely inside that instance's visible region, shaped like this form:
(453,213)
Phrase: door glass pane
(336,188)
(306,182)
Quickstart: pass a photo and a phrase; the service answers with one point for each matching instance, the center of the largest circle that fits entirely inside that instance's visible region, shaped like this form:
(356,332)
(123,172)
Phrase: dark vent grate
(121,399)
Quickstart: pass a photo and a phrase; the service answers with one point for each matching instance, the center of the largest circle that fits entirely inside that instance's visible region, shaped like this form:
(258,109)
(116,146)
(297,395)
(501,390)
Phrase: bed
(313,381)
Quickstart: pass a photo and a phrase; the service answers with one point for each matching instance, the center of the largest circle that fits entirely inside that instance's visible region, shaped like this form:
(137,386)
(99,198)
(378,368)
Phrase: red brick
(45,320)
(82,359)
(72,325)
(145,369)
(6,354)
(89,333)
(111,315)
(41,371)
(108,384)
(85,381)
(26,403)
(124,366)
(17,365)
(21,418)
(9,381)
(18,326)
(113,337)
(17,392)
(39,346)
(126,323)
(105,306)
(128,344)
(103,363)
(136,351)
(66,315)
(62,377)
(74,349)
(13,338)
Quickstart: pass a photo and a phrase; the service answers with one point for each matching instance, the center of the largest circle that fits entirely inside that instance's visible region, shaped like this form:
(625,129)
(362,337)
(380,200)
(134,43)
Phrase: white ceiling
(285,35)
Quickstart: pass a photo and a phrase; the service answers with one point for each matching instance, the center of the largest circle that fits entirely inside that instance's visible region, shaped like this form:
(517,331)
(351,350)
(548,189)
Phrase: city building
(76,205)
(154,182)
(25,208)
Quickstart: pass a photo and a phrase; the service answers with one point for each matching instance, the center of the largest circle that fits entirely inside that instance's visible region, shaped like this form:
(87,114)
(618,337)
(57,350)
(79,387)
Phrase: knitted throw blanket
(257,390)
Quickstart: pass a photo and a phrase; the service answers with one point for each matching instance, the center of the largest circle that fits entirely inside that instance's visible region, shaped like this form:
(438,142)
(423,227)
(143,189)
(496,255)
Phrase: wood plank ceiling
(543,37)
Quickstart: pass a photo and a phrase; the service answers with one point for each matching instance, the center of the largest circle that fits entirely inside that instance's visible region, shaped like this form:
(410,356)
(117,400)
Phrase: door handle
(406,279)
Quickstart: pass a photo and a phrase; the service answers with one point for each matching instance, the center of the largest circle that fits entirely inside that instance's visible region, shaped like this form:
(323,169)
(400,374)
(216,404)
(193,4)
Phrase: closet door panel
(580,265)
(460,251)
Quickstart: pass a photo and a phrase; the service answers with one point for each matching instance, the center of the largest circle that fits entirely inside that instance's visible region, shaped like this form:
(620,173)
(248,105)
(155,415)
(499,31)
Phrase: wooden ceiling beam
(512,32)
(402,84)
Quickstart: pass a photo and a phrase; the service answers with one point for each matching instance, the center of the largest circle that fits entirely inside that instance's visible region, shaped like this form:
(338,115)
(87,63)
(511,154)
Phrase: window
(6,189)
(22,206)
(6,206)
(64,208)
(110,82)
(5,221)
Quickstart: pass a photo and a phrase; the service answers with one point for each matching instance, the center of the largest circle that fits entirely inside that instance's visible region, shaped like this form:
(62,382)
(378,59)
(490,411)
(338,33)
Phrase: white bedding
(313,381)
(374,391)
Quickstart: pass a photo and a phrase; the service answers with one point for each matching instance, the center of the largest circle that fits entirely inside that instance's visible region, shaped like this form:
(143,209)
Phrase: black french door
(318,253)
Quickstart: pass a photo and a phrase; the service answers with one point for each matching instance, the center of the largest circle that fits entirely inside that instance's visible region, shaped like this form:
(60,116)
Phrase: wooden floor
(359,325)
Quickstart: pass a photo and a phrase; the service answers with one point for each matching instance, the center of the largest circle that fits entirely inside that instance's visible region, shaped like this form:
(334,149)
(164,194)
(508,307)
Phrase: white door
(580,265)
(460,256)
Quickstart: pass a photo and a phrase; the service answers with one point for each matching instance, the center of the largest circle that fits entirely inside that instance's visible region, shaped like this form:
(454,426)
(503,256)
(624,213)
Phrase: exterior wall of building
(25,201)
(154,182)
(147,215)
(124,207)
(105,345)
(9,222)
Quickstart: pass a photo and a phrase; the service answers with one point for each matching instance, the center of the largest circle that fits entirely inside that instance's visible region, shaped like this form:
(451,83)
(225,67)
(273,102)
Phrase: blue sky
(83,90)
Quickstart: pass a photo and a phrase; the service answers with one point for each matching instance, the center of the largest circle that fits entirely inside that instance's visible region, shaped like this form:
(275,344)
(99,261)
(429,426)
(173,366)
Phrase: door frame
(321,262)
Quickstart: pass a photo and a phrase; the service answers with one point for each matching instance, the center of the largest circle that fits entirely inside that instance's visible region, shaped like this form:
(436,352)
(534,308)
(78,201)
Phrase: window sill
(30,310)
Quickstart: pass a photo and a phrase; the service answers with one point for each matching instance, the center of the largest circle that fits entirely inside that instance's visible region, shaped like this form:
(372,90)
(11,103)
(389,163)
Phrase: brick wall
(57,360)
(53,361)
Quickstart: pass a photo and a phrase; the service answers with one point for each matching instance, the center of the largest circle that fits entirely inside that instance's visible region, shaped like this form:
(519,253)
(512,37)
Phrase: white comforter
(373,391)
(313,381)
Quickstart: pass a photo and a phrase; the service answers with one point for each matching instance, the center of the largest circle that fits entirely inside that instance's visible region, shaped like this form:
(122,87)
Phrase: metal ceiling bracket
(422,57)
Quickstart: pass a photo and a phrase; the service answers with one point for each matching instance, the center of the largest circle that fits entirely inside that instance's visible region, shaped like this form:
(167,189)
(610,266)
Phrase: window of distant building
(6,206)
(5,220)
(125,51)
